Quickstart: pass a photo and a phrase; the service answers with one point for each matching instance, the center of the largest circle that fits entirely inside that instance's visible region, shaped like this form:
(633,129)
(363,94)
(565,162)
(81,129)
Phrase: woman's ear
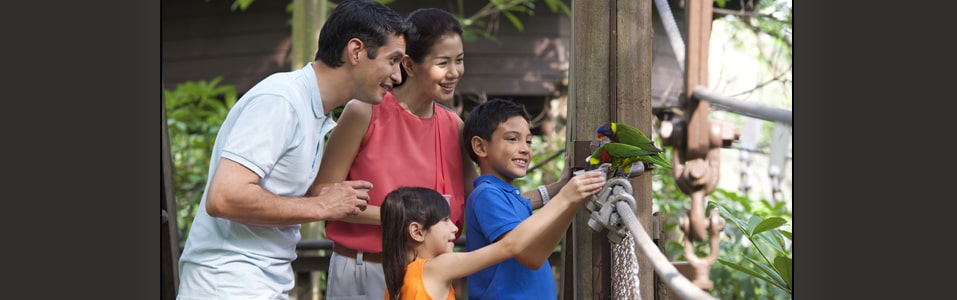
(416,232)
(408,65)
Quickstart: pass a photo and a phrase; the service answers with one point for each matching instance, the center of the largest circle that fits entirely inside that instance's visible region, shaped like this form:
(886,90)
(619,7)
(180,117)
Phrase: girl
(418,238)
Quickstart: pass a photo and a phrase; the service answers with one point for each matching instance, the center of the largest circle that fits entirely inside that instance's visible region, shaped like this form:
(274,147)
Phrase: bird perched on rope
(623,133)
(621,156)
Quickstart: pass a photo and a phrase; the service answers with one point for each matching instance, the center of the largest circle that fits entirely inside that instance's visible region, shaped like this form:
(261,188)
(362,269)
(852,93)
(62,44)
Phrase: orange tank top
(413,287)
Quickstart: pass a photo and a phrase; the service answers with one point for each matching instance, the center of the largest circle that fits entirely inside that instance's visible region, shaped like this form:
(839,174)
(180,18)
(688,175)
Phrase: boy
(497,137)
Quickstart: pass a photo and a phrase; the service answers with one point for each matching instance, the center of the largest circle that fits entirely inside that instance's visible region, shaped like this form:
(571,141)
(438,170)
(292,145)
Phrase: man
(267,153)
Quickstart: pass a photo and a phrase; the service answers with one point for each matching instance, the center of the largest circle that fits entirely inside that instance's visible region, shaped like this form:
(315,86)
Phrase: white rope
(666,271)
(624,283)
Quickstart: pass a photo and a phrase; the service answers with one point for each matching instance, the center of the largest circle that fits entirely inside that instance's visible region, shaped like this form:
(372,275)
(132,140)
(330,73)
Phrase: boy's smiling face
(509,152)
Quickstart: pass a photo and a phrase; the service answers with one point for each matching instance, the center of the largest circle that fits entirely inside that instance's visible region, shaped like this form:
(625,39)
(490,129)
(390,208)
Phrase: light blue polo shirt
(276,129)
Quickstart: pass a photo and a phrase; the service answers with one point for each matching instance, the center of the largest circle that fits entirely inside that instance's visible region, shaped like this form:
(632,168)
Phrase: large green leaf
(768,224)
(745,270)
(783,265)
(774,277)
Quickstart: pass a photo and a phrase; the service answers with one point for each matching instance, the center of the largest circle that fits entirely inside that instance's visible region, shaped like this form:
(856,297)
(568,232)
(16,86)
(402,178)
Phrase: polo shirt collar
(498,183)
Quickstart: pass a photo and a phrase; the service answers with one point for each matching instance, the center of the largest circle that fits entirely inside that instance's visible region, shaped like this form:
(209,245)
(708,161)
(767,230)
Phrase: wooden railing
(313,256)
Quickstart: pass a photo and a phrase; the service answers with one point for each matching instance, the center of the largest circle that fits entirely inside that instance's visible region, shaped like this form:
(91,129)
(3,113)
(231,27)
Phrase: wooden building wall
(202,40)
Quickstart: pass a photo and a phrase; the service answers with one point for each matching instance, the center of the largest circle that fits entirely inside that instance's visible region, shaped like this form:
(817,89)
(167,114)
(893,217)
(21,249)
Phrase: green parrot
(623,133)
(622,156)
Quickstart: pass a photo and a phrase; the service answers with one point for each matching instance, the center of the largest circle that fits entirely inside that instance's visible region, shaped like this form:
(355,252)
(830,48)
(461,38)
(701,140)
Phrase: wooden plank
(699,34)
(253,44)
(542,45)
(225,25)
(508,85)
(634,68)
(511,65)
(588,105)
(172,9)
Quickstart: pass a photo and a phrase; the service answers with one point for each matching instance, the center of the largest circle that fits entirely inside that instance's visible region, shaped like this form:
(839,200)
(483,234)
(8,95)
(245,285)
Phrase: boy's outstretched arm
(575,193)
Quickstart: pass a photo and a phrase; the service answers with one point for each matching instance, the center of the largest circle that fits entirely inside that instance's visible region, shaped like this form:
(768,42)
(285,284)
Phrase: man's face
(381,73)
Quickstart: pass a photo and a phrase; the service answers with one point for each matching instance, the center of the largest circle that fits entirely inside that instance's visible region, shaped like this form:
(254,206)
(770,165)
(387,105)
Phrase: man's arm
(235,194)
(340,153)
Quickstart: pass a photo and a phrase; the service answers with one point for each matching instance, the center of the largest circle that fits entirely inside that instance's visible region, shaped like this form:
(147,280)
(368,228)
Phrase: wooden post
(696,73)
(589,105)
(609,80)
(633,70)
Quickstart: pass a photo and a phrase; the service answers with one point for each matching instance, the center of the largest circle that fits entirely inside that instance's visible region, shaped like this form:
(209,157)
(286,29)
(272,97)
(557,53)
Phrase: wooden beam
(589,102)
(634,68)
(610,80)
(696,73)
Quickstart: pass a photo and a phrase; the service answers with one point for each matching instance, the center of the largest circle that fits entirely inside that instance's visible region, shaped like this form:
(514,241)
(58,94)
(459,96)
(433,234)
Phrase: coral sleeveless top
(403,149)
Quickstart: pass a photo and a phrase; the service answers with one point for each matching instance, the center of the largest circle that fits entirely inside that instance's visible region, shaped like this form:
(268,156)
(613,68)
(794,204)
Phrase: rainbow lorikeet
(622,156)
(623,133)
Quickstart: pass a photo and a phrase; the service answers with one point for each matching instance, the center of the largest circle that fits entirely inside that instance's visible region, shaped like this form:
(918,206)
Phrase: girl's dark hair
(400,208)
(367,20)
(485,118)
(430,25)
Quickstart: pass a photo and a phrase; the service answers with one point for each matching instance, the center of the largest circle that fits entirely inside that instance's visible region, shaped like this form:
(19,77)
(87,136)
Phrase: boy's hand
(582,186)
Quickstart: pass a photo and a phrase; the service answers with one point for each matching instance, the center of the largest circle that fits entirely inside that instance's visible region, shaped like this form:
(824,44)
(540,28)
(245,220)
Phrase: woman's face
(441,69)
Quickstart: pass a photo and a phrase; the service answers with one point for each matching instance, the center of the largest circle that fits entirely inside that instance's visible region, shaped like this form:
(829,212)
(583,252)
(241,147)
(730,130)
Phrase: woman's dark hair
(370,21)
(430,25)
(400,208)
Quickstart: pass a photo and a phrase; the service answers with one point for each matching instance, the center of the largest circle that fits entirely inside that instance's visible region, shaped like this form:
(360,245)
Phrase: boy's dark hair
(366,20)
(485,118)
(400,208)
(429,25)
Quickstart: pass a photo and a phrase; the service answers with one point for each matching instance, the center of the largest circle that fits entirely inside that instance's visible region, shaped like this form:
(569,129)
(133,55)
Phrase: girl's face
(441,69)
(509,151)
(441,237)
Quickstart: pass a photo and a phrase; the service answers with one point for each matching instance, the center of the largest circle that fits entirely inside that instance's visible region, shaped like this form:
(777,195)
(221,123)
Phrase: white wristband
(544,192)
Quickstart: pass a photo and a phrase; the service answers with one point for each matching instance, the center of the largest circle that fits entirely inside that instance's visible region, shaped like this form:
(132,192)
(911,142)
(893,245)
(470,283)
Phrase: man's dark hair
(486,117)
(369,21)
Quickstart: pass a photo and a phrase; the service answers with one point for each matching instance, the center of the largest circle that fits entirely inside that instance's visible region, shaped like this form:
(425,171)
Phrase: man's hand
(344,199)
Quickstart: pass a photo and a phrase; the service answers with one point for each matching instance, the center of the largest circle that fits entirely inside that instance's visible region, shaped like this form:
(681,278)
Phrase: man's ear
(479,146)
(416,232)
(353,48)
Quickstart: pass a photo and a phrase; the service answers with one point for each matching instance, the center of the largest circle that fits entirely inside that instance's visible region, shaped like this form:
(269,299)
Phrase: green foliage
(755,256)
(194,112)
(771,259)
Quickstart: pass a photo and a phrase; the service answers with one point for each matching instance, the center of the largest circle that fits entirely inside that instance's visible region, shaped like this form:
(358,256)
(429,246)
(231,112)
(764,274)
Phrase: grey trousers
(354,279)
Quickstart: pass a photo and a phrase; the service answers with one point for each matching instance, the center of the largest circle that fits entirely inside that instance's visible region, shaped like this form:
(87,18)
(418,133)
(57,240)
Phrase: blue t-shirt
(493,209)
(277,130)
